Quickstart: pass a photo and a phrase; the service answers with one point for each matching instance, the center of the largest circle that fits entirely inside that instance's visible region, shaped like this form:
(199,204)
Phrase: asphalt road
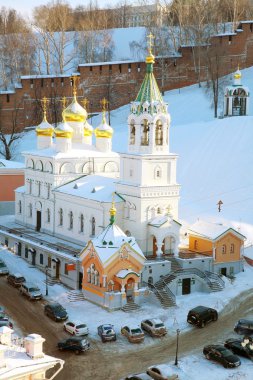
(106,361)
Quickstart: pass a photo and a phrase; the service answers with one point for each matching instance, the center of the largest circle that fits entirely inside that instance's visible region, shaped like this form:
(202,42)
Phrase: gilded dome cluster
(74,116)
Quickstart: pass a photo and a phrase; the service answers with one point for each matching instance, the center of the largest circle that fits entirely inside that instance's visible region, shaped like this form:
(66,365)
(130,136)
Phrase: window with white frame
(61,217)
(48,215)
(81,223)
(19,207)
(93,226)
(223,248)
(232,248)
(71,218)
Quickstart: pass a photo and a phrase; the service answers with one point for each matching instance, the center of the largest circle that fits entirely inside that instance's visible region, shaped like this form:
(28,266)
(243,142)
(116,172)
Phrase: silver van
(31,291)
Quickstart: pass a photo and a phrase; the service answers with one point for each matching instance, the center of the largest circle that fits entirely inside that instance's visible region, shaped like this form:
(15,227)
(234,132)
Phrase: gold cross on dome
(64,102)
(85,103)
(104,102)
(150,37)
(74,80)
(44,102)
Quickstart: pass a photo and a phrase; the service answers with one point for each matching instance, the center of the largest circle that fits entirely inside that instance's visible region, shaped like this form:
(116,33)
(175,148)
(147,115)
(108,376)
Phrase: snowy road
(110,364)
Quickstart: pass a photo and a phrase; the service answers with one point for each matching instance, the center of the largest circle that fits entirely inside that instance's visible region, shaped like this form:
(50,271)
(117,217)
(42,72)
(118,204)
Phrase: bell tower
(149,120)
(148,170)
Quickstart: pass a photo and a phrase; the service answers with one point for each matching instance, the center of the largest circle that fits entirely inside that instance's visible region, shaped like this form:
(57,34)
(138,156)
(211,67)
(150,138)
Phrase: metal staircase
(165,295)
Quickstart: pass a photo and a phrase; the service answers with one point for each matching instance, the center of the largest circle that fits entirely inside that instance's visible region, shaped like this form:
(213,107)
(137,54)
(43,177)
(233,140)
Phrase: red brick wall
(8,184)
(118,82)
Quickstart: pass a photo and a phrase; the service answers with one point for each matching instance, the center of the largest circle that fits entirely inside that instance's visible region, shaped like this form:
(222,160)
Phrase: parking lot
(104,361)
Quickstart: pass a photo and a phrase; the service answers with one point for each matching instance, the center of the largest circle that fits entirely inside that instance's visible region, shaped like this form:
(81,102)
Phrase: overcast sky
(25,6)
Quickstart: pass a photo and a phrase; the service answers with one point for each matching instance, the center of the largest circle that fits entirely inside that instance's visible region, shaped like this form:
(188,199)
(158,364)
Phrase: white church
(69,182)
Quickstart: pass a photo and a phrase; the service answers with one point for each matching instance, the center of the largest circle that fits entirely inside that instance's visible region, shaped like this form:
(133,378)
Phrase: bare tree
(11,136)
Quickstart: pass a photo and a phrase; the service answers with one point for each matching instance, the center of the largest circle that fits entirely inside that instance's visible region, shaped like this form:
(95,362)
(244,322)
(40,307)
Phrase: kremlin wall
(119,82)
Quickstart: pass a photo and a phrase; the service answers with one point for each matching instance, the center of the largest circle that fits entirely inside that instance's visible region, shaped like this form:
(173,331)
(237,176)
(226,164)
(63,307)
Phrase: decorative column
(123,295)
(159,245)
(104,280)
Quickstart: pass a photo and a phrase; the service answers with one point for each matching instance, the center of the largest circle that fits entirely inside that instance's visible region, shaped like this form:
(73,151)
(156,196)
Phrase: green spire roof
(149,91)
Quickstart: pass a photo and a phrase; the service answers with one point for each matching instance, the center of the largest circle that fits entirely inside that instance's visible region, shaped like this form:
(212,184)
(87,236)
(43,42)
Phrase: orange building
(11,177)
(222,243)
(112,264)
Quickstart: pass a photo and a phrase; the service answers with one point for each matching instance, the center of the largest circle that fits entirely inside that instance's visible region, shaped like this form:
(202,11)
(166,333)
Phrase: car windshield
(81,326)
(107,327)
(83,342)
(136,331)
(20,279)
(34,289)
(59,308)
(225,352)
(159,325)
(2,265)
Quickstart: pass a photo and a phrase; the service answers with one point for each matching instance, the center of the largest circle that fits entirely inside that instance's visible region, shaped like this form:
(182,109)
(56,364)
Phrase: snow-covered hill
(215,156)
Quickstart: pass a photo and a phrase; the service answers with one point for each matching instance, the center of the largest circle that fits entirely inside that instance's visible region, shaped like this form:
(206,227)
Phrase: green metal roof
(149,91)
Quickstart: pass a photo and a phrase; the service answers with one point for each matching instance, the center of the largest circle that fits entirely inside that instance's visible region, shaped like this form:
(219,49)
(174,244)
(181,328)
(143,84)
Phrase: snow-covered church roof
(111,240)
(94,187)
(211,231)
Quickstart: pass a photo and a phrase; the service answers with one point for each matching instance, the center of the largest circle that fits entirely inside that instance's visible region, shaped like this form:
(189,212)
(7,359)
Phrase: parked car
(6,323)
(221,355)
(162,372)
(76,328)
(3,268)
(55,311)
(133,334)
(238,348)
(15,279)
(31,291)
(138,376)
(75,344)
(201,315)
(244,327)
(155,327)
(107,333)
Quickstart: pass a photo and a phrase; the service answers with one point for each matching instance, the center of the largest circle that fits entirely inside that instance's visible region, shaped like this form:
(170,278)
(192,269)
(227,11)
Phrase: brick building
(119,81)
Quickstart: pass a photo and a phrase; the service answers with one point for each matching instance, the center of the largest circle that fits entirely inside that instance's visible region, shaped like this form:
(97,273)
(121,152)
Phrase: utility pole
(176,358)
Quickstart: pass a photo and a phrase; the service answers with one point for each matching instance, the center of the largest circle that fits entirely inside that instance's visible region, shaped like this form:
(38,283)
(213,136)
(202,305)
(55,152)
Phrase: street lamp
(46,280)
(176,359)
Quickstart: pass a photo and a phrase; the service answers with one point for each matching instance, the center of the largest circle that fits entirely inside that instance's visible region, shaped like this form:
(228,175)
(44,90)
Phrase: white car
(162,372)
(155,327)
(75,328)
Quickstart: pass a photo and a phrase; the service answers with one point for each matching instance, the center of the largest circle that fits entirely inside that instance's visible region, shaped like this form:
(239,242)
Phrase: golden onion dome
(237,74)
(104,129)
(87,129)
(63,130)
(74,112)
(150,58)
(44,128)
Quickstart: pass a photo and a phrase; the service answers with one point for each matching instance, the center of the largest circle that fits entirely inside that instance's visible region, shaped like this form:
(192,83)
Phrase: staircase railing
(158,293)
(215,277)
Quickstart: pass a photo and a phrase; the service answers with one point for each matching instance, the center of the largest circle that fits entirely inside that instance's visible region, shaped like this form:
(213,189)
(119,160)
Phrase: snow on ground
(195,366)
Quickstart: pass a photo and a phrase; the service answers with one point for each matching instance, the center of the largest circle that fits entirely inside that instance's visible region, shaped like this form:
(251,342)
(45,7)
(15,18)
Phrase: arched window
(96,278)
(81,223)
(48,190)
(41,259)
(232,248)
(19,207)
(39,188)
(159,211)
(159,133)
(48,215)
(132,133)
(71,220)
(61,217)
(93,226)
(224,248)
(145,132)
